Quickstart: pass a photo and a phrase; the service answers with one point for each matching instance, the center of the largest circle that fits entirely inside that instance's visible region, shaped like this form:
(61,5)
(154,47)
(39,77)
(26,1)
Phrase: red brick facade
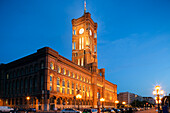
(51,80)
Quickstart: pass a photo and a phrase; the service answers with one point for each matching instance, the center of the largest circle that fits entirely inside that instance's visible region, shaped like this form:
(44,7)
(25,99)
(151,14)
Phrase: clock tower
(84,42)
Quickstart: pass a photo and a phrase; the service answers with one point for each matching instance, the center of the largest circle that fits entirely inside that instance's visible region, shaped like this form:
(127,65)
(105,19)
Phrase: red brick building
(51,80)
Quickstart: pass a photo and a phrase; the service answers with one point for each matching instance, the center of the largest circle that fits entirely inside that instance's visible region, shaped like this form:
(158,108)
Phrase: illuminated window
(68,87)
(79,43)
(59,69)
(50,78)
(50,88)
(51,66)
(82,43)
(81,61)
(64,71)
(68,84)
(78,61)
(63,83)
(74,32)
(73,75)
(74,45)
(95,35)
(58,84)
(68,73)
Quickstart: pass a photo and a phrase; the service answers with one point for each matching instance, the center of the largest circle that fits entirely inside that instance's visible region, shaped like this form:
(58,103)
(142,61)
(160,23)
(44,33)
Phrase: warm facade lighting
(116,101)
(102,99)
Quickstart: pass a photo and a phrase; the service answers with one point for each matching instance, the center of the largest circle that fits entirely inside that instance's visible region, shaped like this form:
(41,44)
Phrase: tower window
(82,43)
(74,32)
(78,61)
(81,61)
(79,43)
(95,35)
(94,48)
(74,46)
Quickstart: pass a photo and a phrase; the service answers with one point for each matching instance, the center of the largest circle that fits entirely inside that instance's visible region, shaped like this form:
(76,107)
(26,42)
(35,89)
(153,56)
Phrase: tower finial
(84,6)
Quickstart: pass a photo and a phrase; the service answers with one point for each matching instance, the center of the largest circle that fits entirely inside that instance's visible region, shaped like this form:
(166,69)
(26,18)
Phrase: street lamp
(158,92)
(28,98)
(78,96)
(123,103)
(102,100)
(116,102)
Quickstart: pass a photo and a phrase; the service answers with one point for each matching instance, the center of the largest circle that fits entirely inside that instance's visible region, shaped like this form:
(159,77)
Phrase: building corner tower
(84,42)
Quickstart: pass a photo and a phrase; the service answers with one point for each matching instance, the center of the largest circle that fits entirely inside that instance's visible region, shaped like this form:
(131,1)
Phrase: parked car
(123,110)
(21,109)
(6,109)
(69,110)
(116,110)
(108,111)
(31,110)
(90,111)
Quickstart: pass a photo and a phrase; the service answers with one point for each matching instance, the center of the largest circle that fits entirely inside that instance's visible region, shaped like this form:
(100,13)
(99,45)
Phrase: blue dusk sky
(133,36)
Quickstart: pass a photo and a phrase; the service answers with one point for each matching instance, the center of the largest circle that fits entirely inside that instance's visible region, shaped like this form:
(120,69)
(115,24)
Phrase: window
(74,45)
(79,43)
(82,43)
(68,84)
(81,61)
(58,84)
(59,69)
(7,76)
(42,82)
(68,91)
(64,71)
(58,81)
(78,61)
(74,32)
(63,84)
(63,90)
(72,88)
(73,75)
(50,78)
(95,48)
(50,88)
(42,65)
(51,66)
(95,35)
(100,74)
(68,73)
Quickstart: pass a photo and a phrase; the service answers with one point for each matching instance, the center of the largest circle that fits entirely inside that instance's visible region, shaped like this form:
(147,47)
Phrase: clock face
(90,33)
(81,31)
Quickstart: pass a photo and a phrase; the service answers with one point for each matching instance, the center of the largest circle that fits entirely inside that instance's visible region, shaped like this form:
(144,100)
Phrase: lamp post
(124,103)
(78,96)
(158,92)
(116,102)
(28,98)
(102,100)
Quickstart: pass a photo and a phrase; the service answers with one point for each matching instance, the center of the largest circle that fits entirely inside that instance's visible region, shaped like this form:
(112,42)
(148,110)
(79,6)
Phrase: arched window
(51,66)
(68,87)
(58,84)
(59,69)
(63,88)
(64,71)
(58,101)
(51,82)
(95,48)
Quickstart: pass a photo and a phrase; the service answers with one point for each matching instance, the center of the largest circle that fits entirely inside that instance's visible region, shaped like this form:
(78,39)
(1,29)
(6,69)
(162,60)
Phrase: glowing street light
(158,92)
(117,102)
(28,98)
(78,96)
(123,103)
(102,100)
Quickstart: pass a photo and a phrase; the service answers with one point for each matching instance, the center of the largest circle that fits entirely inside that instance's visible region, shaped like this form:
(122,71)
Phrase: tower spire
(84,6)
